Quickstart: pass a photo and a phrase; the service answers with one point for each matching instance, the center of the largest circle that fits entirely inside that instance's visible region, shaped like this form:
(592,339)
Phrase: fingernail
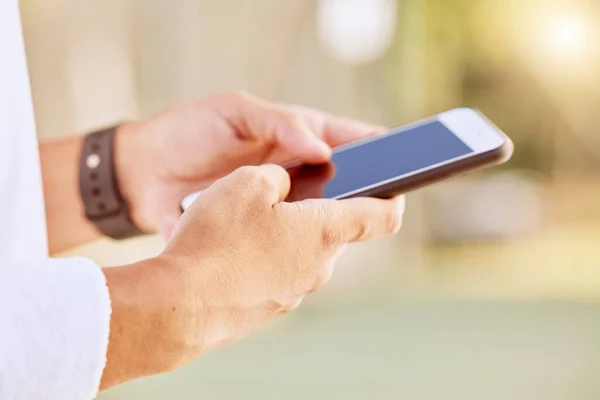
(401,205)
(379,129)
(375,130)
(323,147)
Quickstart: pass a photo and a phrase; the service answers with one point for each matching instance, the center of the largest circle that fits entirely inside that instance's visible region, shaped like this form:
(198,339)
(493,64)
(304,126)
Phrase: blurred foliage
(470,60)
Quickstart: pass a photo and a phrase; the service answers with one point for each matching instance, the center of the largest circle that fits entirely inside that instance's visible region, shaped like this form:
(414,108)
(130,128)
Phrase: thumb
(168,225)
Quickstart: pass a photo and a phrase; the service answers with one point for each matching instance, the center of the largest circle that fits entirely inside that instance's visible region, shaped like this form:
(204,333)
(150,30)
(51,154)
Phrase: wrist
(146,329)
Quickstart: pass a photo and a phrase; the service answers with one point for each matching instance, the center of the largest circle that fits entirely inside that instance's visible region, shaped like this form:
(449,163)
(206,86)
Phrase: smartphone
(403,159)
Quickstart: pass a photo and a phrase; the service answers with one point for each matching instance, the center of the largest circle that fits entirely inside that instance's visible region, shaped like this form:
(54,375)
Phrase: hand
(238,258)
(187,147)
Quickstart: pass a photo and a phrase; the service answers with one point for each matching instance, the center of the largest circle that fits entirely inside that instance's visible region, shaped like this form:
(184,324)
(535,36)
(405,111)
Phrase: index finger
(336,130)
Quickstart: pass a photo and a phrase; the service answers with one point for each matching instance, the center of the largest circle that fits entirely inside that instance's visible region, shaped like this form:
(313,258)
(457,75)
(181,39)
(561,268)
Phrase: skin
(183,149)
(232,262)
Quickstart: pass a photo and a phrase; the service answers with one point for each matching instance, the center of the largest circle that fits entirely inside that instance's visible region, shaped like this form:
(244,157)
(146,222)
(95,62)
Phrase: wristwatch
(103,202)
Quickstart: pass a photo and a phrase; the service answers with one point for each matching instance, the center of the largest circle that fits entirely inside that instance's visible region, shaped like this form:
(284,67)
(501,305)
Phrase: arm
(56,315)
(205,291)
(183,149)
(202,292)
(67,225)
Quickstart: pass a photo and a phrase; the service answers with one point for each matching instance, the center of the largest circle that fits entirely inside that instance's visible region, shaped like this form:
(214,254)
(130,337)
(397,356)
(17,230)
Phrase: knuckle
(263,182)
(393,222)
(330,237)
(321,280)
(290,306)
(240,95)
(363,229)
(291,115)
(257,179)
(247,174)
(291,118)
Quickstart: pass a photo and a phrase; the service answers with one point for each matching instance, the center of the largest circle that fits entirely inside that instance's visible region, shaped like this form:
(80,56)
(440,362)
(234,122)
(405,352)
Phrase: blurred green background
(491,291)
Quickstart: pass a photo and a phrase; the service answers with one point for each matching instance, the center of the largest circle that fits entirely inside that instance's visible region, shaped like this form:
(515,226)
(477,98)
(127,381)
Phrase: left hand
(187,147)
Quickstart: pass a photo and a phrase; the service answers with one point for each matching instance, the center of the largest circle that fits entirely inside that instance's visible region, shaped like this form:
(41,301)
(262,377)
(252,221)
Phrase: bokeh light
(566,34)
(356,31)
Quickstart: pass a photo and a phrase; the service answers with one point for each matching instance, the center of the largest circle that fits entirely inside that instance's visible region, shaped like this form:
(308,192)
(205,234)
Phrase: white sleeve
(54,325)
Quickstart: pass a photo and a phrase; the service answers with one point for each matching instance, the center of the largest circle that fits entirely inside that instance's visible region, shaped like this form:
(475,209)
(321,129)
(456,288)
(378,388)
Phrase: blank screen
(383,159)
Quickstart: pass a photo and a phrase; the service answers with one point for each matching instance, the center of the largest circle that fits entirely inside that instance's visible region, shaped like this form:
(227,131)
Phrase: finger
(326,273)
(336,130)
(360,219)
(294,136)
(340,130)
(272,181)
(168,225)
(291,306)
(283,126)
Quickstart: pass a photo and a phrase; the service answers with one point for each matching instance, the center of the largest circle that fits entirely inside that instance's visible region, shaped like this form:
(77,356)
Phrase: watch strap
(104,205)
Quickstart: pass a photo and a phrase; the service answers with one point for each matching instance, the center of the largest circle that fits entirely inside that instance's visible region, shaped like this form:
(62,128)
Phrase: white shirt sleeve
(54,326)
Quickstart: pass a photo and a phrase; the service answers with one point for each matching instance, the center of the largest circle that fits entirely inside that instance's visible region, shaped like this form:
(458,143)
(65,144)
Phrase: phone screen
(401,152)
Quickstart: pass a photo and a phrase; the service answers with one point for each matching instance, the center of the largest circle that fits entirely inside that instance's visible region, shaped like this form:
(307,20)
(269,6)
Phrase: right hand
(240,256)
